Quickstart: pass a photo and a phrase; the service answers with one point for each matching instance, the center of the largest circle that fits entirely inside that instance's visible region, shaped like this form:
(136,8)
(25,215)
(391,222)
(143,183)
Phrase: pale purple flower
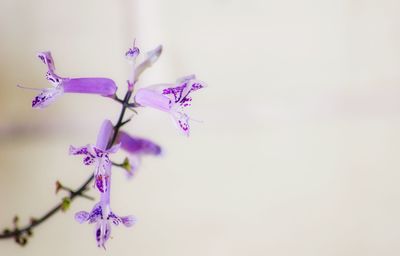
(151,57)
(133,52)
(60,85)
(98,156)
(103,217)
(136,147)
(171,98)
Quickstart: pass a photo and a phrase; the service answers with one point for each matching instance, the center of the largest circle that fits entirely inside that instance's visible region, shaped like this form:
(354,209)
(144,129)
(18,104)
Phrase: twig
(18,232)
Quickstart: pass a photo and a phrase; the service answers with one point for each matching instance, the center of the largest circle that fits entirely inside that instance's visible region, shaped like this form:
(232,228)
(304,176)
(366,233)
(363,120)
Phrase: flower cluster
(173,98)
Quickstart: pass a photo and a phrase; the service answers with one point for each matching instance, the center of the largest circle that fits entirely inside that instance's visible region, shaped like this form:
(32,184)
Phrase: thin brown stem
(18,232)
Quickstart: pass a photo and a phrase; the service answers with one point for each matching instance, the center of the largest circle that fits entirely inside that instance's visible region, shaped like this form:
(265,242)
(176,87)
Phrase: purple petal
(152,57)
(81,216)
(180,94)
(46,97)
(101,86)
(182,122)
(96,213)
(134,162)
(114,218)
(78,151)
(128,221)
(47,59)
(137,145)
(132,53)
(185,78)
(150,98)
(89,157)
(104,135)
(107,233)
(114,148)
(102,233)
(102,182)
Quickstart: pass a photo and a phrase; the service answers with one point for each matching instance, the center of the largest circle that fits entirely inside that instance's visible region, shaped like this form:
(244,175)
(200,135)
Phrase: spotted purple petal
(86,151)
(102,233)
(47,59)
(180,94)
(182,122)
(102,182)
(92,85)
(46,97)
(132,53)
(96,213)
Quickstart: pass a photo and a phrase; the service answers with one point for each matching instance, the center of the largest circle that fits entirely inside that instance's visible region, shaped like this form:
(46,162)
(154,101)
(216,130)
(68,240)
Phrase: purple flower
(136,147)
(173,99)
(151,58)
(98,156)
(103,217)
(101,86)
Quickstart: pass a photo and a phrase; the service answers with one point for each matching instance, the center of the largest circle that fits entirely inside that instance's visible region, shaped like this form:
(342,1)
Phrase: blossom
(171,98)
(103,217)
(136,147)
(151,57)
(60,85)
(98,156)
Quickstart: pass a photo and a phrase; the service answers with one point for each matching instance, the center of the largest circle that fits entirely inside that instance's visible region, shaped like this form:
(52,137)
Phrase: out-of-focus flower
(98,155)
(136,147)
(91,85)
(171,98)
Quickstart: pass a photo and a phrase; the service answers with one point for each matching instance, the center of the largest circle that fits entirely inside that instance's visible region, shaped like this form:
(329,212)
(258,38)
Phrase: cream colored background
(298,153)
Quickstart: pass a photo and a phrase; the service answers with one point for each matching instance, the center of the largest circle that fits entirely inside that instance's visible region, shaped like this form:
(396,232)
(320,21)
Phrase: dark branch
(17,233)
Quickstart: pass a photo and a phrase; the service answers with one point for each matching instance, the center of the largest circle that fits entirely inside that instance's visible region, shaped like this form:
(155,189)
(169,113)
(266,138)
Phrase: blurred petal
(137,145)
(128,221)
(152,57)
(114,148)
(134,162)
(81,216)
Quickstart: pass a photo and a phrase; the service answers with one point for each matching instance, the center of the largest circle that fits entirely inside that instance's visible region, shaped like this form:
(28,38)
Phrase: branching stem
(19,231)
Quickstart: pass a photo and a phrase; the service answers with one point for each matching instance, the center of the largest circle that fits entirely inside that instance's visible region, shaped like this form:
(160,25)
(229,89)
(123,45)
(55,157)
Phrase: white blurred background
(297,154)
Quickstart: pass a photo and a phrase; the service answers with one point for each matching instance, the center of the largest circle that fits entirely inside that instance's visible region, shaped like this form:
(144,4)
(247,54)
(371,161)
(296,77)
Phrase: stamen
(29,88)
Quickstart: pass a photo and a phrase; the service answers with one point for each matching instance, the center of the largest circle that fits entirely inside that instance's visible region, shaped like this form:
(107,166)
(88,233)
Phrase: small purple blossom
(103,217)
(101,86)
(151,57)
(174,99)
(98,156)
(133,52)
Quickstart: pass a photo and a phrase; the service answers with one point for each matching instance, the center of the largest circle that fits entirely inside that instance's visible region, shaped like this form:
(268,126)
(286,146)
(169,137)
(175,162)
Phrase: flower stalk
(17,232)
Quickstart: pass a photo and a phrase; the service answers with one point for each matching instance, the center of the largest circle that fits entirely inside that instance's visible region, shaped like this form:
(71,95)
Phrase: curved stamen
(29,88)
